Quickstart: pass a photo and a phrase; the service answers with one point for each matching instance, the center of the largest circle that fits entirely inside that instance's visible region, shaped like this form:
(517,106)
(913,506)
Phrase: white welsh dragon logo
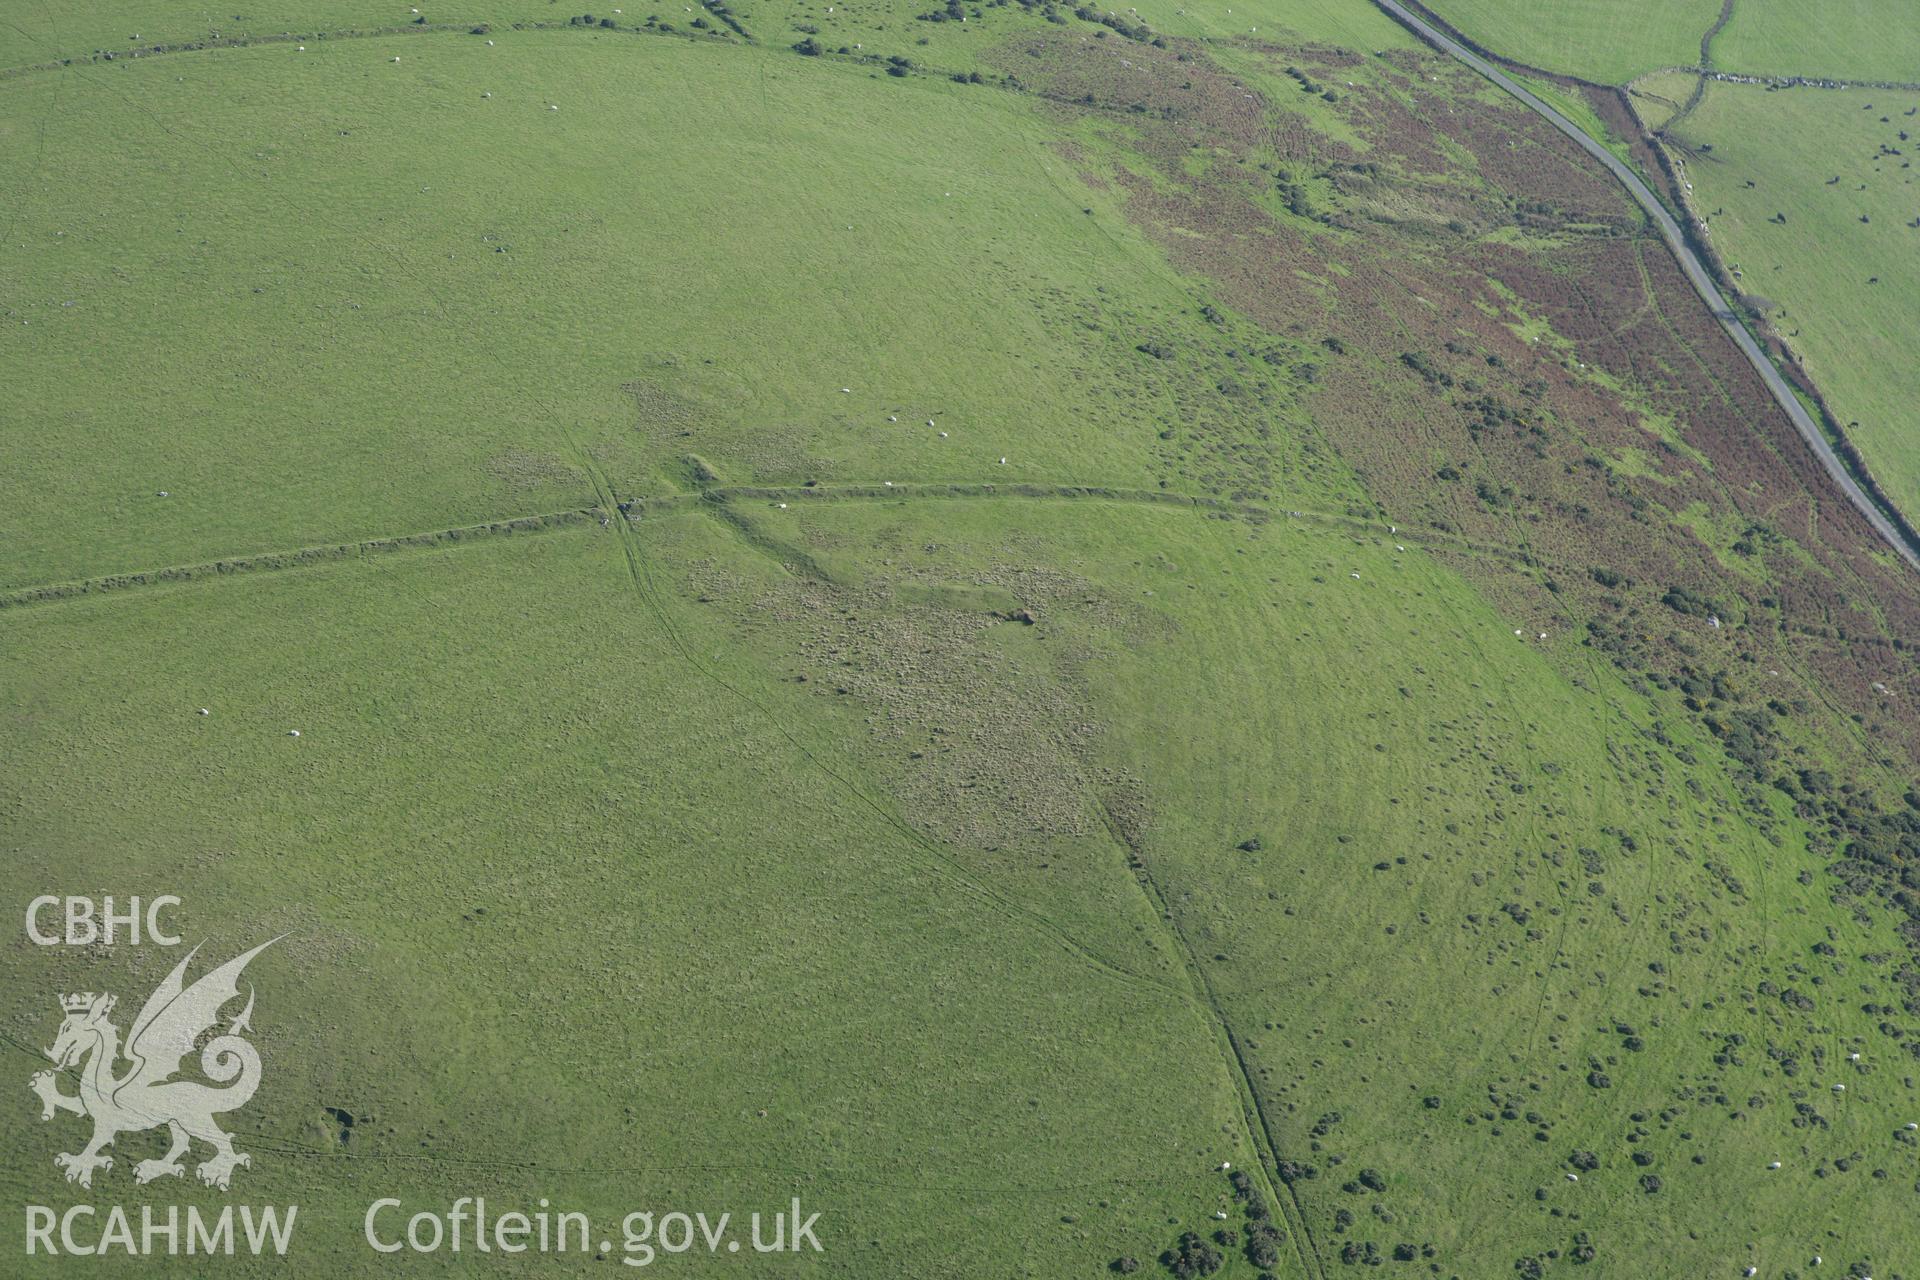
(147,1095)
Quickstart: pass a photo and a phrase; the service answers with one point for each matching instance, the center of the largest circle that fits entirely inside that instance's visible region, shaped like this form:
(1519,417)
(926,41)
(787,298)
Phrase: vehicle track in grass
(937,859)
(1259,1128)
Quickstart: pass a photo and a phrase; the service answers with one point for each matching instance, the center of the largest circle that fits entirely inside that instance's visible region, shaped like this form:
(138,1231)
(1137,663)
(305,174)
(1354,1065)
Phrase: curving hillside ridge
(1140,642)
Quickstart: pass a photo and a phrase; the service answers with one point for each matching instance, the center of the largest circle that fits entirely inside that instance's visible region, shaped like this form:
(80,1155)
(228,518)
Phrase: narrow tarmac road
(1695,270)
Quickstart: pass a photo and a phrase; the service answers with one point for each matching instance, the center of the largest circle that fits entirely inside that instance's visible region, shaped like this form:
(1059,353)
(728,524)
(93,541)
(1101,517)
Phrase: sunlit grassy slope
(39,31)
(631,882)
(1477,880)
(983,858)
(34,32)
(316,297)
(571,917)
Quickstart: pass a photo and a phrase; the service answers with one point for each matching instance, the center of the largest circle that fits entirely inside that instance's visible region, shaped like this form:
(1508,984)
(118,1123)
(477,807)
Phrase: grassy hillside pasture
(37,31)
(981,858)
(34,32)
(1843,39)
(632,883)
(1607,41)
(368,298)
(1469,811)
(574,918)
(1777,155)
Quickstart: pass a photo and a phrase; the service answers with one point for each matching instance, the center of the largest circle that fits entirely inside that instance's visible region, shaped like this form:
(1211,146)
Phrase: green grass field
(573,833)
(1616,41)
(1286,702)
(1841,267)
(599,826)
(34,33)
(850,639)
(1607,41)
(960,235)
(1845,40)
(39,32)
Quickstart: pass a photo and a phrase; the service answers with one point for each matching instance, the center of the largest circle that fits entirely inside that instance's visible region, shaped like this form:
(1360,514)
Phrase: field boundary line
(213,44)
(1800,82)
(720,496)
(301,558)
